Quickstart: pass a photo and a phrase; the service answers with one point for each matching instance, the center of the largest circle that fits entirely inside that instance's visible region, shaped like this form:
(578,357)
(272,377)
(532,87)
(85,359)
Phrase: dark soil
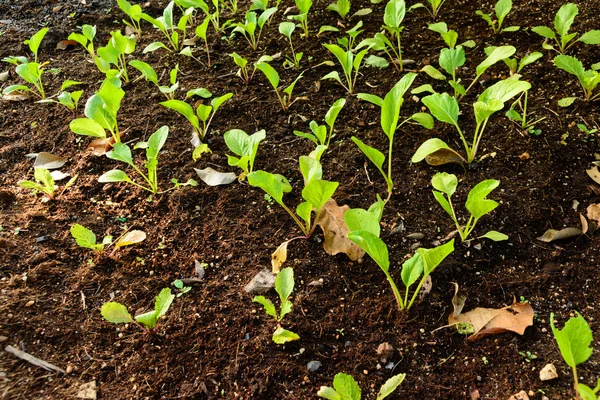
(215,342)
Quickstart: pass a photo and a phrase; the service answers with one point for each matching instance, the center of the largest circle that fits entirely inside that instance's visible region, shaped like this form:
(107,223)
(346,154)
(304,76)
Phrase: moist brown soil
(215,342)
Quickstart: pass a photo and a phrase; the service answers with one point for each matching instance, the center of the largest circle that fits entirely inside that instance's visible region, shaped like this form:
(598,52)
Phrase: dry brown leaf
(552,234)
(458,301)
(593,212)
(491,321)
(66,44)
(49,161)
(101,145)
(4,76)
(331,221)
(190,41)
(279,256)
(594,174)
(16,96)
(444,156)
(129,238)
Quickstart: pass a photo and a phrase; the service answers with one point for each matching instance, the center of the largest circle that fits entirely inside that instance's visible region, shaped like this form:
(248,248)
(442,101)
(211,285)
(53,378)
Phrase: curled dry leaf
(331,221)
(593,212)
(279,256)
(215,178)
(491,321)
(594,174)
(458,301)
(131,237)
(444,156)
(49,161)
(66,45)
(552,235)
(16,96)
(100,146)
(58,175)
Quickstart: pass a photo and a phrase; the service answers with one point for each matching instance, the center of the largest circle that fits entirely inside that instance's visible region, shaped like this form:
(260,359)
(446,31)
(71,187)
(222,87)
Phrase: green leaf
(238,142)
(287,28)
(439,196)
(377,62)
(333,112)
(452,59)
(445,182)
(433,257)
(374,246)
(152,47)
(148,319)
(427,88)
(357,219)
(430,146)
(590,37)
(270,73)
(284,283)
(412,269)
(84,237)
(282,336)
(443,107)
(544,32)
(586,392)
(347,387)
(504,90)
(114,175)
(120,152)
(564,18)
(274,184)
(310,168)
(43,175)
(163,302)
(570,65)
(217,102)
(424,119)
(267,304)
(184,109)
(567,101)
(529,59)
(374,155)
(371,98)
(502,9)
(318,191)
(35,41)
(329,393)
(390,386)
(433,72)
(495,236)
(476,203)
(147,71)
(499,54)
(395,10)
(573,340)
(115,313)
(156,142)
(87,127)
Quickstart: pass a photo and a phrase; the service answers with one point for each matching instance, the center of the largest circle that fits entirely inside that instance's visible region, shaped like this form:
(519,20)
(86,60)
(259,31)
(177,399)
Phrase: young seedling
(477,203)
(204,113)
(395,10)
(117,313)
(179,285)
(70,100)
(284,285)
(114,54)
(252,27)
(201,32)
(574,342)
(433,9)
(560,35)
(150,75)
(588,79)
(346,388)
(244,146)
(134,12)
(101,112)
(43,182)
(287,29)
(445,109)
(342,7)
(521,117)
(502,9)
(302,18)
(122,152)
(285,97)
(244,72)
(390,114)
(350,65)
(175,33)
(86,39)
(320,135)
(85,238)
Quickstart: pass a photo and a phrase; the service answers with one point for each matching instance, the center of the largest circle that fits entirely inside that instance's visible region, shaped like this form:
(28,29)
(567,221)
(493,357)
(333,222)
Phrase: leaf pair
(350,64)
(346,388)
(114,54)
(320,135)
(502,9)
(43,182)
(273,76)
(252,27)
(245,147)
(588,79)
(117,313)
(174,32)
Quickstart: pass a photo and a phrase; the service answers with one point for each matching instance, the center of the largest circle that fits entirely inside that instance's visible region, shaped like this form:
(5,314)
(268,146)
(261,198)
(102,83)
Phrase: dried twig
(33,360)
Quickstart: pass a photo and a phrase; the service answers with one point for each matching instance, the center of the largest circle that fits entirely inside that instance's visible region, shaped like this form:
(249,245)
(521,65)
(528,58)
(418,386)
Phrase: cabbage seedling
(302,18)
(101,112)
(117,313)
(445,108)
(284,285)
(175,33)
(122,152)
(502,9)
(574,342)
(252,27)
(320,135)
(588,79)
(346,388)
(417,268)
(477,203)
(150,75)
(244,146)
(287,29)
(70,100)
(521,117)
(433,9)
(244,72)
(562,25)
(350,64)
(272,75)
(341,7)
(390,113)
(114,54)
(43,182)
(201,31)
(515,66)
(85,238)
(86,38)
(134,12)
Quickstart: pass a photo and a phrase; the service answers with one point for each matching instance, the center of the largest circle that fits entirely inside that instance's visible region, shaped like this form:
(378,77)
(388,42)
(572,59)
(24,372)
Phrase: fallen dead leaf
(131,237)
(491,321)
(594,174)
(100,146)
(552,235)
(593,212)
(458,301)
(4,76)
(49,161)
(66,45)
(331,221)
(16,96)
(584,224)
(190,41)
(215,178)
(444,156)
(279,256)
(58,175)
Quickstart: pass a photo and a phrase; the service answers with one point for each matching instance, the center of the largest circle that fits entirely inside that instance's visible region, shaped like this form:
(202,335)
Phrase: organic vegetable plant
(521,117)
(85,238)
(122,152)
(341,7)
(201,32)
(175,33)
(588,79)
(244,146)
(134,12)
(445,109)
(433,9)
(114,54)
(43,182)
(70,100)
(302,18)
(320,135)
(117,313)
(346,388)
(350,66)
(574,342)
(272,75)
(562,24)
(86,38)
(477,203)
(284,285)
(244,72)
(252,27)
(150,75)
(502,9)
(390,114)
(287,29)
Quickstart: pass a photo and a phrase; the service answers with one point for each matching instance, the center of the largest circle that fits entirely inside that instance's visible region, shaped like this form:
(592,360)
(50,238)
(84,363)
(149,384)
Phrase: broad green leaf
(120,152)
(495,236)
(395,10)
(374,155)
(310,168)
(433,257)
(427,88)
(433,72)
(153,47)
(476,203)
(114,175)
(217,102)
(564,18)
(328,393)
(567,101)
(529,59)
(148,319)
(287,28)
(443,107)
(156,142)
(184,109)
(499,54)
(586,392)
(68,83)
(304,211)
(30,185)
(347,387)
(430,146)
(374,246)
(371,98)
(573,340)
(35,41)
(163,302)
(440,27)
(333,75)
(570,65)
(267,304)
(484,110)
(274,184)
(84,237)
(357,219)
(146,69)
(439,196)
(282,336)
(377,62)
(318,191)
(286,308)
(390,109)
(486,17)
(504,90)
(44,176)
(590,37)
(482,189)
(445,182)
(284,283)
(115,313)
(424,119)
(412,269)
(238,142)
(452,59)
(87,127)
(270,73)
(544,32)
(345,58)
(333,112)
(390,386)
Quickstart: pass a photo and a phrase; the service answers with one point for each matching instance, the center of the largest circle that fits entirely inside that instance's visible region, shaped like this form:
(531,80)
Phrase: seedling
(350,65)
(243,146)
(174,33)
(285,97)
(287,29)
(150,75)
(70,100)
(43,182)
(433,9)
(204,113)
(583,128)
(284,285)
(390,114)
(574,342)
(252,27)
(445,108)
(477,203)
(588,79)
(179,285)
(244,72)
(529,356)
(521,116)
(346,388)
(560,35)
(85,238)
(515,66)
(101,112)
(502,9)
(342,7)
(114,54)
(117,313)
(86,38)
(201,32)
(122,152)
(320,135)
(134,12)
(302,18)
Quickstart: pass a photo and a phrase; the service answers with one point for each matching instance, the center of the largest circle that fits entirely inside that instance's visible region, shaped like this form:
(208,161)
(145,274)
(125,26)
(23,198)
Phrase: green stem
(416,293)
(464,140)
(524,116)
(397,294)
(399,51)
(296,220)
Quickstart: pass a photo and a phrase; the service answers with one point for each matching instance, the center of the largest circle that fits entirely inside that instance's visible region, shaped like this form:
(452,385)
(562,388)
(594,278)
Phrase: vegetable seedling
(252,27)
(244,146)
(433,9)
(562,25)
(134,12)
(320,135)
(244,72)
(85,238)
(284,285)
(86,39)
(43,182)
(477,203)
(350,66)
(114,54)
(272,75)
(346,388)
(341,7)
(588,79)
(287,29)
(521,117)
(117,313)
(502,9)
(69,100)
(302,18)
(201,32)
(150,75)
(178,283)
(175,33)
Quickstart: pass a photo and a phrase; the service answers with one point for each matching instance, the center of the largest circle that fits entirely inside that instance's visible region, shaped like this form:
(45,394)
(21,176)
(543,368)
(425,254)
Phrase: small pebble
(313,366)
(69,369)
(548,372)
(29,303)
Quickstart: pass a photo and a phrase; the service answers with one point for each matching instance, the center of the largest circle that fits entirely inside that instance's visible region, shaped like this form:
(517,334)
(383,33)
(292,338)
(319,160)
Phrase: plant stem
(296,220)
(395,290)
(467,148)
